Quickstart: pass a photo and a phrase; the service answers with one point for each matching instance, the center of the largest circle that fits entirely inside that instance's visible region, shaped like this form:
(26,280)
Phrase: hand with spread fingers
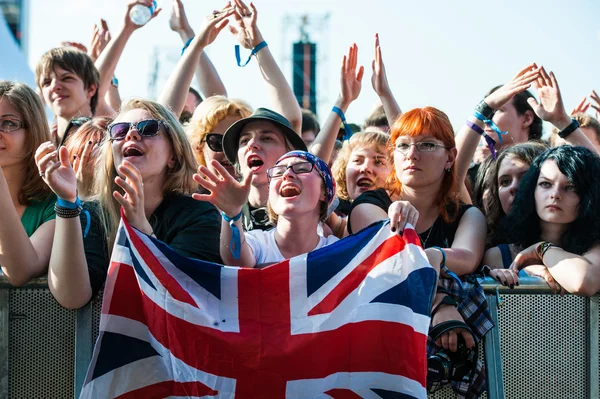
(401,213)
(56,170)
(246,32)
(129,24)
(130,180)
(551,107)
(379,78)
(226,193)
(100,39)
(214,24)
(521,82)
(596,99)
(582,107)
(351,79)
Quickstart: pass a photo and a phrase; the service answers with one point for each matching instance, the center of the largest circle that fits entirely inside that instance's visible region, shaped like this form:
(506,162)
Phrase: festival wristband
(491,124)
(254,51)
(186,45)
(574,125)
(348,131)
(484,109)
(235,246)
(445,269)
(67,209)
(490,141)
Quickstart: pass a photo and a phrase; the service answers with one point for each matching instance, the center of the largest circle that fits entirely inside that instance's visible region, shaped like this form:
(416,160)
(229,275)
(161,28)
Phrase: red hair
(428,121)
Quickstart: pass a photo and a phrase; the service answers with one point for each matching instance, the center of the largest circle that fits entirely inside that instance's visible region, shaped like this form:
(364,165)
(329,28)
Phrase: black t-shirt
(95,246)
(440,234)
(255,218)
(192,228)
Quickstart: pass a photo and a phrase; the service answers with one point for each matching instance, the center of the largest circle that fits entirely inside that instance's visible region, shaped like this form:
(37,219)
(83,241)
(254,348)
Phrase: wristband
(484,109)
(491,124)
(569,129)
(67,209)
(490,141)
(235,245)
(186,45)
(347,130)
(542,248)
(445,269)
(254,51)
(115,82)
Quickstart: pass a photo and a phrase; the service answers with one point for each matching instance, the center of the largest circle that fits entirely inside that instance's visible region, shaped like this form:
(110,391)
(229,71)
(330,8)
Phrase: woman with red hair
(423,191)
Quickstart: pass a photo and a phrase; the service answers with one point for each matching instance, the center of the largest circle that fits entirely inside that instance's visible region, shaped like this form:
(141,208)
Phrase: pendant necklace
(428,234)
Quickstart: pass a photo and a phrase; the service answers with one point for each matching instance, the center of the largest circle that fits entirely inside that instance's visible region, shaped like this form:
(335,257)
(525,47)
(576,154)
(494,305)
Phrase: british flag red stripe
(349,320)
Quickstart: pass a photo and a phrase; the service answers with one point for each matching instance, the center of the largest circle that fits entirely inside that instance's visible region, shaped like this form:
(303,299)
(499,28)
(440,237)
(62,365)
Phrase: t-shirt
(192,228)
(440,234)
(255,218)
(265,248)
(38,213)
(95,246)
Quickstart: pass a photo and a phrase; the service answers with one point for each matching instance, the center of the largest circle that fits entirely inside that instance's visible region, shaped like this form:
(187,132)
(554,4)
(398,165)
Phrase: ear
(91,90)
(527,119)
(451,158)
(172,162)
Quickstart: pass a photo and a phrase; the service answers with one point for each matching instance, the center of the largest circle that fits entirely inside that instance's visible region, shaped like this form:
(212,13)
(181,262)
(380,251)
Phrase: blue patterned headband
(321,167)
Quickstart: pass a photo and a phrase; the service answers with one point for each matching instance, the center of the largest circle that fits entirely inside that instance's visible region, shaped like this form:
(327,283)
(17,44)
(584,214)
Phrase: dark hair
(195,93)
(310,122)
(581,166)
(521,105)
(524,152)
(377,118)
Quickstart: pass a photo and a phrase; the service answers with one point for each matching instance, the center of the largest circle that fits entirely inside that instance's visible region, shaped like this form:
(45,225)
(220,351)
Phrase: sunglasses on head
(214,141)
(148,128)
(73,123)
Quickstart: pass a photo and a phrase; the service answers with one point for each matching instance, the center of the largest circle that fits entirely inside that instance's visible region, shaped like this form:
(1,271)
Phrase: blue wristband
(186,45)
(235,246)
(348,131)
(491,124)
(255,50)
(77,205)
(445,269)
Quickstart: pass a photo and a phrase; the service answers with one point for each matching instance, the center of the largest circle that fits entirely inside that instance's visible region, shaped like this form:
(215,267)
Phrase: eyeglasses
(297,168)
(147,128)
(75,122)
(8,125)
(214,141)
(422,146)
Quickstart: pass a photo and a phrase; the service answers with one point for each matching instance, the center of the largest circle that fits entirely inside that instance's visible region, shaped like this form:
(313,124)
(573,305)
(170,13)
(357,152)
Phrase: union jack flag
(346,321)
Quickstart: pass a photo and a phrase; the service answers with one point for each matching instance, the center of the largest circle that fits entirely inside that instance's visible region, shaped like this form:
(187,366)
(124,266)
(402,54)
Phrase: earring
(448,170)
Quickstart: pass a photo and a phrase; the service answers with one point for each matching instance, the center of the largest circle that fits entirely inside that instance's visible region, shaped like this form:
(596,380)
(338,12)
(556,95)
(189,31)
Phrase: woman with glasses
(26,203)
(423,191)
(301,189)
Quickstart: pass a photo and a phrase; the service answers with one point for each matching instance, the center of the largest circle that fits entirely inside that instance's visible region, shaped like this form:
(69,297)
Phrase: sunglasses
(75,122)
(214,141)
(148,128)
(297,168)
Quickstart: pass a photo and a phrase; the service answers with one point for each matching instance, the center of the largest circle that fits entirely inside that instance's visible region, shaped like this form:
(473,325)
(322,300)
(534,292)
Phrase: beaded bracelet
(67,210)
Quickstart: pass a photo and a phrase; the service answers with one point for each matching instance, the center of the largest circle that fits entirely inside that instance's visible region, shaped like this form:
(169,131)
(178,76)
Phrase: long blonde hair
(208,115)
(178,179)
(29,105)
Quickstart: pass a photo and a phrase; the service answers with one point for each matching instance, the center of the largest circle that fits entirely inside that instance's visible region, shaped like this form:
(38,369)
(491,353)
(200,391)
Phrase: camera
(449,366)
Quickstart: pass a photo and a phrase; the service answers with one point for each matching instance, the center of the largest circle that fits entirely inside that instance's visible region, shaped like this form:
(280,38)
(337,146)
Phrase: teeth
(289,191)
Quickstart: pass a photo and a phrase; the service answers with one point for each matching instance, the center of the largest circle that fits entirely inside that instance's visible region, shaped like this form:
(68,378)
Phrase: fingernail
(74,156)
(90,142)
(393,229)
(512,286)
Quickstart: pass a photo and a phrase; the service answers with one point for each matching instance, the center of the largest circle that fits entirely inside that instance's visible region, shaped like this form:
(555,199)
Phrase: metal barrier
(544,346)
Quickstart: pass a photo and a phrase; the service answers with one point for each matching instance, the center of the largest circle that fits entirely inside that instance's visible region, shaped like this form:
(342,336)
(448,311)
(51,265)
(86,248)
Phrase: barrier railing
(542,346)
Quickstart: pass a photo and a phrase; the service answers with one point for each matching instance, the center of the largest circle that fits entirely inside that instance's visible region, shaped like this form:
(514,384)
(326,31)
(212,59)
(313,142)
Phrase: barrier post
(594,347)
(493,357)
(83,345)
(4,324)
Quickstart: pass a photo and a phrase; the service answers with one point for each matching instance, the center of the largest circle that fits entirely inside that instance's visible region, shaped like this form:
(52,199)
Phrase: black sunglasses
(214,141)
(75,122)
(148,128)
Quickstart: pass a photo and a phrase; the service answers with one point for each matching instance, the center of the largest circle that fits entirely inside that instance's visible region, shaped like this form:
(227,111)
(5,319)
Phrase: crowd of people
(494,199)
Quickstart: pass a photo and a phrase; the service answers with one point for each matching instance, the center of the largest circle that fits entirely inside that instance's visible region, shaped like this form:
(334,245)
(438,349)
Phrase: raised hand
(214,24)
(596,106)
(133,199)
(246,32)
(582,107)
(521,82)
(226,193)
(56,170)
(148,3)
(178,21)
(84,171)
(351,80)
(100,39)
(379,77)
(551,107)
(76,45)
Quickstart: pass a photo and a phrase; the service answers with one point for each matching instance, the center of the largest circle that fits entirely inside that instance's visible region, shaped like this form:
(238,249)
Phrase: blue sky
(441,53)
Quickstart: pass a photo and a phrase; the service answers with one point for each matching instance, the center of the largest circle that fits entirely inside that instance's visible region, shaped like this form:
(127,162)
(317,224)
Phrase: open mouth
(289,190)
(363,182)
(132,152)
(254,162)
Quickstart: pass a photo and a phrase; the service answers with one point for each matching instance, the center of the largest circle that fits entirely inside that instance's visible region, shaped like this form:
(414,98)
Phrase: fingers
(133,179)
(533,103)
(525,70)
(63,157)
(546,81)
(254,14)
(201,197)
(222,171)
(233,30)
(452,340)
(468,337)
(360,74)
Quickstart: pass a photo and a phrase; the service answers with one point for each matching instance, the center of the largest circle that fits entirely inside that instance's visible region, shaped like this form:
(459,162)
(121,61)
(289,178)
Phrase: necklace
(428,234)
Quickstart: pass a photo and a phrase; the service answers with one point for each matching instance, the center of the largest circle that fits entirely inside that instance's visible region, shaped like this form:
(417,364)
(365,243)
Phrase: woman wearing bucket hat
(301,189)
